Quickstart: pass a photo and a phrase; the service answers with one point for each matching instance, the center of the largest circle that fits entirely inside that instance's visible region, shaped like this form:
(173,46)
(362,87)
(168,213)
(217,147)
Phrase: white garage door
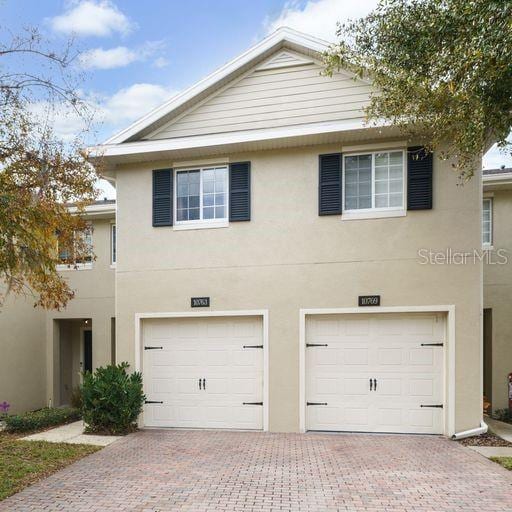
(375,373)
(203,372)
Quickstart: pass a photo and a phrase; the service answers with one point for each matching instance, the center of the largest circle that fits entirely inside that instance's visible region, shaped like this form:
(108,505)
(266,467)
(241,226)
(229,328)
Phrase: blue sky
(137,54)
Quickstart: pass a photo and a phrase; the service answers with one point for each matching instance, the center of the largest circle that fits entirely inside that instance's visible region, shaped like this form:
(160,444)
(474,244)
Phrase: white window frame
(86,265)
(489,244)
(373,212)
(113,245)
(200,223)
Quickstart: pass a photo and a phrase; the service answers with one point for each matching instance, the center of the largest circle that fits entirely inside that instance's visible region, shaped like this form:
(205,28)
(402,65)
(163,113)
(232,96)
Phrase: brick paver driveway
(158,470)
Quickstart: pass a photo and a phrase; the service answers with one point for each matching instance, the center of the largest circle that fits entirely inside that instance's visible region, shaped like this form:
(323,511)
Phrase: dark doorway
(87,351)
(488,355)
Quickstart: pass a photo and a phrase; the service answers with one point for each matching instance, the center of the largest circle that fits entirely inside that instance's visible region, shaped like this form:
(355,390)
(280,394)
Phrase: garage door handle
(435,406)
(252,403)
(316,403)
(204,384)
(371,385)
(375,384)
(199,383)
(152,402)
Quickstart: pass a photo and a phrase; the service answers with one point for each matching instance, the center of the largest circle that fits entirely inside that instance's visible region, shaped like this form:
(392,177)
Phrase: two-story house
(497,241)
(284,266)
(44,352)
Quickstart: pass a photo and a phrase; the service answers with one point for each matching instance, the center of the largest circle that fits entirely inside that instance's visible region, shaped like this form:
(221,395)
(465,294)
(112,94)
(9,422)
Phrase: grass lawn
(506,462)
(24,462)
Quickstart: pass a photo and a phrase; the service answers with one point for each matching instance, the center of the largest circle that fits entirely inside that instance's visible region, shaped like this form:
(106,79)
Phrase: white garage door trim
(263,313)
(449,352)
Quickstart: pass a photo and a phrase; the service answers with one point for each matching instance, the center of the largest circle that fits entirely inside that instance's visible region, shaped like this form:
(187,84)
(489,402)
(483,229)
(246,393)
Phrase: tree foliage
(443,69)
(39,173)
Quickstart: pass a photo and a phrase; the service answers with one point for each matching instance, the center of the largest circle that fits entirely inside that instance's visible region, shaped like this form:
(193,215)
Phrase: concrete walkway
(500,428)
(493,451)
(73,434)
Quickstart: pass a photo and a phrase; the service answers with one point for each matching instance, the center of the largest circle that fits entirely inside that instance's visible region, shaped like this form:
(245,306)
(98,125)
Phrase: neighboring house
(261,196)
(497,239)
(43,353)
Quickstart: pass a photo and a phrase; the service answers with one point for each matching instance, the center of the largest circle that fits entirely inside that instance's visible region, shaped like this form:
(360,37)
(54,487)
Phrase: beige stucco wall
(498,296)
(36,350)
(287,258)
(22,349)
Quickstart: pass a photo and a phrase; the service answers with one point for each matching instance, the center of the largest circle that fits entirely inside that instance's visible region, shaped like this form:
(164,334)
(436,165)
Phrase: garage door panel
(354,386)
(210,349)
(387,349)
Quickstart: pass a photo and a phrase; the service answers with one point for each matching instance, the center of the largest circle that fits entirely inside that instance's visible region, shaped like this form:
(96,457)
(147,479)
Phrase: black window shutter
(419,178)
(329,186)
(162,197)
(240,191)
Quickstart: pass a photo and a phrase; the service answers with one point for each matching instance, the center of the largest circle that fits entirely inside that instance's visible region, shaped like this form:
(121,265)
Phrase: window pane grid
(487,222)
(374,181)
(201,194)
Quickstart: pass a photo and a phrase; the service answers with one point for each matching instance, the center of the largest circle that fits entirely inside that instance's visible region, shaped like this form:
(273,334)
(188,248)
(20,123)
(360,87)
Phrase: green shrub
(112,399)
(502,415)
(76,399)
(41,419)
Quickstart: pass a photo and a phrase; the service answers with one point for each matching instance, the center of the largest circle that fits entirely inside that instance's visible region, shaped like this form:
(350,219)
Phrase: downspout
(482,429)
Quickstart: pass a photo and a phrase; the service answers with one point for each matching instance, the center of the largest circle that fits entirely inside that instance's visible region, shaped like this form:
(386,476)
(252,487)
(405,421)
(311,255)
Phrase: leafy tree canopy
(443,69)
(39,174)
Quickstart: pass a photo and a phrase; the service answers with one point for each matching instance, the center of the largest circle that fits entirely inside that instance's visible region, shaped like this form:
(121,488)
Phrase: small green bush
(41,419)
(112,399)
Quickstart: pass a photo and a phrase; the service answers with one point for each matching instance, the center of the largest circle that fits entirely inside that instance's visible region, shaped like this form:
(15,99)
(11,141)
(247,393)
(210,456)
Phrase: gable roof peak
(283,36)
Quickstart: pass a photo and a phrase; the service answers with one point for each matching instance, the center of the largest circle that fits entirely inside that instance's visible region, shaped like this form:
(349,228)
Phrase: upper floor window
(374,181)
(68,252)
(487,222)
(113,244)
(202,195)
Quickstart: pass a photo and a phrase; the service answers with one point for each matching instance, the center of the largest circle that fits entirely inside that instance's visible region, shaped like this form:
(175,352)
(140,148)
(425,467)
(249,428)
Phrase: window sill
(112,265)
(487,247)
(201,225)
(375,214)
(78,266)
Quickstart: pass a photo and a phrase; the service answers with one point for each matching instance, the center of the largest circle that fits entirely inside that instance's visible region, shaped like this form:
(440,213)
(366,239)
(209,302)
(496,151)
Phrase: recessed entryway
(73,355)
(375,372)
(204,372)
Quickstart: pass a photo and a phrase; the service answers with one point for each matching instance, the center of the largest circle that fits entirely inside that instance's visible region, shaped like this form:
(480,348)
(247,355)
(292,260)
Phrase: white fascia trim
(506,177)
(200,141)
(280,35)
(263,313)
(95,208)
(449,352)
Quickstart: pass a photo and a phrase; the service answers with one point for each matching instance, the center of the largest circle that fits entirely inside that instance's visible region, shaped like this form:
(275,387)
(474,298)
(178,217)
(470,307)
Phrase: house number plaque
(200,302)
(369,300)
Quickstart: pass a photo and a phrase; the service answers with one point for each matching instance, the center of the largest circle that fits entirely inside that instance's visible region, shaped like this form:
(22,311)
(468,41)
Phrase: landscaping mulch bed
(487,439)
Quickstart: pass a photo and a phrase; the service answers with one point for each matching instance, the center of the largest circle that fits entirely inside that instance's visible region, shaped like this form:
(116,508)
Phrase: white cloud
(92,18)
(494,158)
(98,58)
(161,62)
(319,17)
(130,103)
(109,113)
(120,56)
